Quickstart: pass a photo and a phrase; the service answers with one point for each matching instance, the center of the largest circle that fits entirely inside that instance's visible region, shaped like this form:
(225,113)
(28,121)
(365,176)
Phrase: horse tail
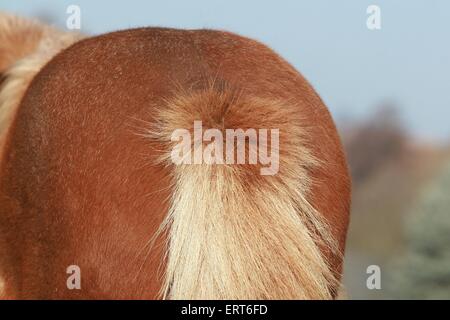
(241,231)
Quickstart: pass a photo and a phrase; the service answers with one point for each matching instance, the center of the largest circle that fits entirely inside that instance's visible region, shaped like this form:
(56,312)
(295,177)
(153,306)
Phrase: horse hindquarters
(87,189)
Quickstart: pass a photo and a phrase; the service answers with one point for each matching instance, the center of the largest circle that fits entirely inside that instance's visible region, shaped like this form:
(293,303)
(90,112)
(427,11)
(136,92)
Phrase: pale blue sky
(353,69)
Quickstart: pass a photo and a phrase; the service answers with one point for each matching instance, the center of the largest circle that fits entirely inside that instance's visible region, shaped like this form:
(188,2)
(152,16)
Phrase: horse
(87,177)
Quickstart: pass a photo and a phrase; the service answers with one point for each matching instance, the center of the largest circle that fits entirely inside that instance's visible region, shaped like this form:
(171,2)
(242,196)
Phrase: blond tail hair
(231,232)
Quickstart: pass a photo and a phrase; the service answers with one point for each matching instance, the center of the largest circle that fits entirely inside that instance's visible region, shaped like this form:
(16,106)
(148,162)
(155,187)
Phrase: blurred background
(389,92)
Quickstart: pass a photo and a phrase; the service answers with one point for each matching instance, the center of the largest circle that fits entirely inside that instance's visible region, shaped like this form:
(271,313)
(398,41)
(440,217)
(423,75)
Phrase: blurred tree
(370,144)
(424,271)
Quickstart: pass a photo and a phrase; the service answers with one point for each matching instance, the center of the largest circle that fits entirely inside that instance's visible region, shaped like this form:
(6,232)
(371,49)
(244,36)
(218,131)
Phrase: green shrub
(423,272)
